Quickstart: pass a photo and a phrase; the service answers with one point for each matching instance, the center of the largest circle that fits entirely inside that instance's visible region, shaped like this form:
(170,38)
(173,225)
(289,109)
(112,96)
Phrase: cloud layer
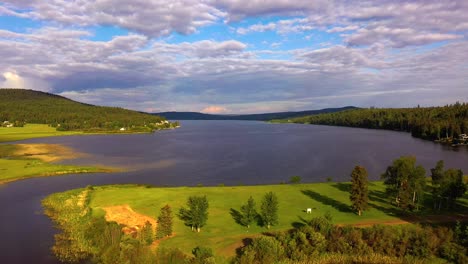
(388,53)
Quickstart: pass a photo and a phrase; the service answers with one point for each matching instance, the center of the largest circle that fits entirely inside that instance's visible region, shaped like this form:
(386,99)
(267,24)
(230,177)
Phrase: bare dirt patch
(124,214)
(46,152)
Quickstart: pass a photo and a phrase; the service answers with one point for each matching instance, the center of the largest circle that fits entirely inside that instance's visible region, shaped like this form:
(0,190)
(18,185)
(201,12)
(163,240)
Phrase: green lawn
(18,169)
(222,233)
(31,131)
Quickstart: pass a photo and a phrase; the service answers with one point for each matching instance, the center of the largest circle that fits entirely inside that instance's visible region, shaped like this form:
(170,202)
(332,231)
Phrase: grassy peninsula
(23,161)
(81,215)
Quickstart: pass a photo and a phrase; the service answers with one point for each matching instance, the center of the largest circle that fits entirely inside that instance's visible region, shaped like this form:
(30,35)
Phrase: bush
(295,179)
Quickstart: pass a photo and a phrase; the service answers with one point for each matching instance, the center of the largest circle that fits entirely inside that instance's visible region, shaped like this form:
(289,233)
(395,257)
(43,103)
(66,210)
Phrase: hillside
(258,117)
(18,106)
(448,123)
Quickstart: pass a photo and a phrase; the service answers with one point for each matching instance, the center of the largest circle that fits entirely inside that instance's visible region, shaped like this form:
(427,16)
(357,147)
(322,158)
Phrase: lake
(208,153)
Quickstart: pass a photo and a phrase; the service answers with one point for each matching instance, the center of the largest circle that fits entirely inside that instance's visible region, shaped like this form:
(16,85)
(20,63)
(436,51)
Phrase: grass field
(13,170)
(22,161)
(8,134)
(222,233)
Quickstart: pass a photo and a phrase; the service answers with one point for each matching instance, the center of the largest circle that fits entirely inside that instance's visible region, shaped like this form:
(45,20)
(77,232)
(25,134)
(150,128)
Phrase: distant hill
(259,117)
(20,106)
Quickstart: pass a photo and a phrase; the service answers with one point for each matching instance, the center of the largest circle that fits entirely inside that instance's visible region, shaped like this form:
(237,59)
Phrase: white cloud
(384,54)
(150,17)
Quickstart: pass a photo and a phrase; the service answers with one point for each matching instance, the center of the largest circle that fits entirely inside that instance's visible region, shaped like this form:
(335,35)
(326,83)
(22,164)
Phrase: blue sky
(231,56)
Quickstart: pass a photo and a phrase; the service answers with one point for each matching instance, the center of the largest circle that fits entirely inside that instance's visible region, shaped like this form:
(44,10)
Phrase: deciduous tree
(269,209)
(405,182)
(249,214)
(196,214)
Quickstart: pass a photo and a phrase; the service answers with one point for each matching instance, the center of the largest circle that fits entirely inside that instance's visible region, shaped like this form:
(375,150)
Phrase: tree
(249,214)
(202,255)
(437,174)
(146,234)
(269,209)
(405,182)
(197,213)
(164,222)
(295,179)
(359,189)
(452,186)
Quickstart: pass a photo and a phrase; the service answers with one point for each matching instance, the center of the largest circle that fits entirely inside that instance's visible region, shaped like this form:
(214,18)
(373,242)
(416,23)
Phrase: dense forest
(434,123)
(18,107)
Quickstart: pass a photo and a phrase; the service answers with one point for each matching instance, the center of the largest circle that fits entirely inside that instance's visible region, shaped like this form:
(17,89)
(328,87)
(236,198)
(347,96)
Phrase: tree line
(406,185)
(18,106)
(432,123)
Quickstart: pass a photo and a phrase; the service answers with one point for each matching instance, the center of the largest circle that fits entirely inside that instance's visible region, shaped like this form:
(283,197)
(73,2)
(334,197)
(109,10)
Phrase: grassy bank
(222,233)
(29,131)
(23,161)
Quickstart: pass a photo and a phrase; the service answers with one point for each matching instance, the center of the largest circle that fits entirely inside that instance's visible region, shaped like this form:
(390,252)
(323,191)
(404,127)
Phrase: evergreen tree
(164,222)
(146,234)
(249,214)
(437,174)
(359,189)
(197,213)
(269,209)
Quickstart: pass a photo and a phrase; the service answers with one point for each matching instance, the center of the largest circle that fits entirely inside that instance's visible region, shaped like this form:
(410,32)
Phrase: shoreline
(24,161)
(29,160)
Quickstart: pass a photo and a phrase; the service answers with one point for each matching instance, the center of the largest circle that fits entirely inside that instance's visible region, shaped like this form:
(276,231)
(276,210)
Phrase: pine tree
(359,189)
(146,234)
(249,214)
(164,222)
(269,209)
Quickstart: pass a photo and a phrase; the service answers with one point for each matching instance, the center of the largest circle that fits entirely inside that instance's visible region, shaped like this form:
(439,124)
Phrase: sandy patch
(124,214)
(46,152)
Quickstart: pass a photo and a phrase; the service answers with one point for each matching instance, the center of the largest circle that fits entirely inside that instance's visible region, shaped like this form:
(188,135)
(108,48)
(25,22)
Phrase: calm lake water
(208,153)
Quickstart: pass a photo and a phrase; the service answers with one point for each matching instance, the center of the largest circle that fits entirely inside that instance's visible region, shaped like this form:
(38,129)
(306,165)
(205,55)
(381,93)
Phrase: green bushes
(405,243)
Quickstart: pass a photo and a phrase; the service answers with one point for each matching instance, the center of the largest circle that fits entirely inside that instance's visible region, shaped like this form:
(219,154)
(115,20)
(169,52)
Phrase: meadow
(29,131)
(224,235)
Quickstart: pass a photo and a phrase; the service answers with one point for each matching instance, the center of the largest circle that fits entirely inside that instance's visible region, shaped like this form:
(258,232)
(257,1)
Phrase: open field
(31,131)
(224,235)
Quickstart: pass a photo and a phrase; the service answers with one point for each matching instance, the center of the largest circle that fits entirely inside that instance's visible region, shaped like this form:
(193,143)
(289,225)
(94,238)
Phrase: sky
(236,56)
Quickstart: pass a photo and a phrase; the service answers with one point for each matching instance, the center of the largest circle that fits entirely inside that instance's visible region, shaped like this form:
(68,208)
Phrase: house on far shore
(7,124)
(122,129)
(463,137)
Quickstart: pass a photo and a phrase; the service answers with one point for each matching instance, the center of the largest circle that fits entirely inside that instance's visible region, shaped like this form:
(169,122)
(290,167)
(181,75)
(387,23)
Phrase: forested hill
(258,117)
(18,106)
(434,123)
